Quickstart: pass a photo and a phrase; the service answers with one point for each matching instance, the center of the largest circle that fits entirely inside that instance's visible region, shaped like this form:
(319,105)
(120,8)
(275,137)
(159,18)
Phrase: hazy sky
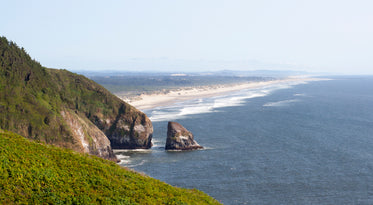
(192,35)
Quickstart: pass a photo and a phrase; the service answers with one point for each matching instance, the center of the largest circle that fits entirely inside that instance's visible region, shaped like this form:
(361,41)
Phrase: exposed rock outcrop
(179,138)
(89,139)
(131,129)
(124,125)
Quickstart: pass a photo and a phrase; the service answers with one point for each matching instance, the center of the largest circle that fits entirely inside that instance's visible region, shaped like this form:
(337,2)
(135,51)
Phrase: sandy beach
(149,101)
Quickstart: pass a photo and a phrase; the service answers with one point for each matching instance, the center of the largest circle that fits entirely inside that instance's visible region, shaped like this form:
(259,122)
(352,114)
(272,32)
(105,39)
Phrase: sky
(331,36)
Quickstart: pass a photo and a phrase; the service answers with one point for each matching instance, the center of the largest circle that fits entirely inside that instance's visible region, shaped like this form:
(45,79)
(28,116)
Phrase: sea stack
(179,138)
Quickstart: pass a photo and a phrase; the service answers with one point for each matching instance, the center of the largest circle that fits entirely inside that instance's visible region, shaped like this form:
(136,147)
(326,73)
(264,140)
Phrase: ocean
(308,143)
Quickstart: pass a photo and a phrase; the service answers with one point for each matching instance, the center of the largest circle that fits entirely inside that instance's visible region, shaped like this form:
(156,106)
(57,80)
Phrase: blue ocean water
(284,144)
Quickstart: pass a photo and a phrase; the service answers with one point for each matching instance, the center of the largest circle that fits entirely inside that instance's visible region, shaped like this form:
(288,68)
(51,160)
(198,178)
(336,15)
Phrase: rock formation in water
(179,138)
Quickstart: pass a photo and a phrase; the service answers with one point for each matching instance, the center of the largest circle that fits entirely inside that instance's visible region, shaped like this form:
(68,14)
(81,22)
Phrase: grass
(36,173)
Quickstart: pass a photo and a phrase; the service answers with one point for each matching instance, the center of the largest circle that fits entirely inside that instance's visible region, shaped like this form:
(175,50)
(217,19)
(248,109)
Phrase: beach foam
(157,143)
(151,101)
(281,103)
(208,105)
(182,109)
(124,159)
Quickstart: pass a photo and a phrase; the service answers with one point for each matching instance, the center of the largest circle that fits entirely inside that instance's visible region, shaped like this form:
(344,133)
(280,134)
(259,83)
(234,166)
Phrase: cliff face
(65,109)
(89,138)
(125,126)
(179,138)
(130,129)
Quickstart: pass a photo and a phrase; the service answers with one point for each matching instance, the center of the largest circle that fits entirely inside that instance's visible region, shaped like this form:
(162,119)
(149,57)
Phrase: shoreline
(149,101)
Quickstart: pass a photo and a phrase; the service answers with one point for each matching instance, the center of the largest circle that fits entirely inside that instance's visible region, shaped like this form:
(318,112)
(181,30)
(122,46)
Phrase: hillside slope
(35,173)
(65,109)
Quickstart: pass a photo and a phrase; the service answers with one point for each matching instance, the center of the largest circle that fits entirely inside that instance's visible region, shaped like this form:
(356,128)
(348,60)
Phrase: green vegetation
(36,173)
(32,98)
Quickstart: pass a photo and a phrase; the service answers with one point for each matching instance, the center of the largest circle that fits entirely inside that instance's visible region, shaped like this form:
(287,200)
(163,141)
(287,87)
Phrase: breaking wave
(212,104)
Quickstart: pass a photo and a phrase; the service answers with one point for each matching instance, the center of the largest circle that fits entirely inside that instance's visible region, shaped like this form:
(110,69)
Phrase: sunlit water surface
(284,144)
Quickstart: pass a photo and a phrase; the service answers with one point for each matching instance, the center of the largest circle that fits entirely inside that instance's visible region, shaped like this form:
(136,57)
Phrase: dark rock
(179,138)
(130,129)
(131,132)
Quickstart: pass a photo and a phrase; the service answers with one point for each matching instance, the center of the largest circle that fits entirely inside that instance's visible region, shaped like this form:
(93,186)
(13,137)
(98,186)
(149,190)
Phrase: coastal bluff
(65,109)
(179,138)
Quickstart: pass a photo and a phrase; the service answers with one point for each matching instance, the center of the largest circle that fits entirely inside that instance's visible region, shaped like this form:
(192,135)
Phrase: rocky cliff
(179,138)
(88,137)
(125,126)
(130,129)
(65,109)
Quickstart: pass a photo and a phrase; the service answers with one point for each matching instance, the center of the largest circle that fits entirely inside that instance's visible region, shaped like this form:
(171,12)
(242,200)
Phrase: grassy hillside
(33,97)
(36,173)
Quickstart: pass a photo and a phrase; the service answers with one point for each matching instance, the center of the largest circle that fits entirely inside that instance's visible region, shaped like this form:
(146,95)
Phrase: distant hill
(65,109)
(34,173)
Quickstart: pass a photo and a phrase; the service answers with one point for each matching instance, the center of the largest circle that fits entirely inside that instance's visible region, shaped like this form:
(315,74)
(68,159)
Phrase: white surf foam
(157,143)
(169,113)
(118,151)
(135,165)
(207,105)
(196,109)
(280,103)
(124,159)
